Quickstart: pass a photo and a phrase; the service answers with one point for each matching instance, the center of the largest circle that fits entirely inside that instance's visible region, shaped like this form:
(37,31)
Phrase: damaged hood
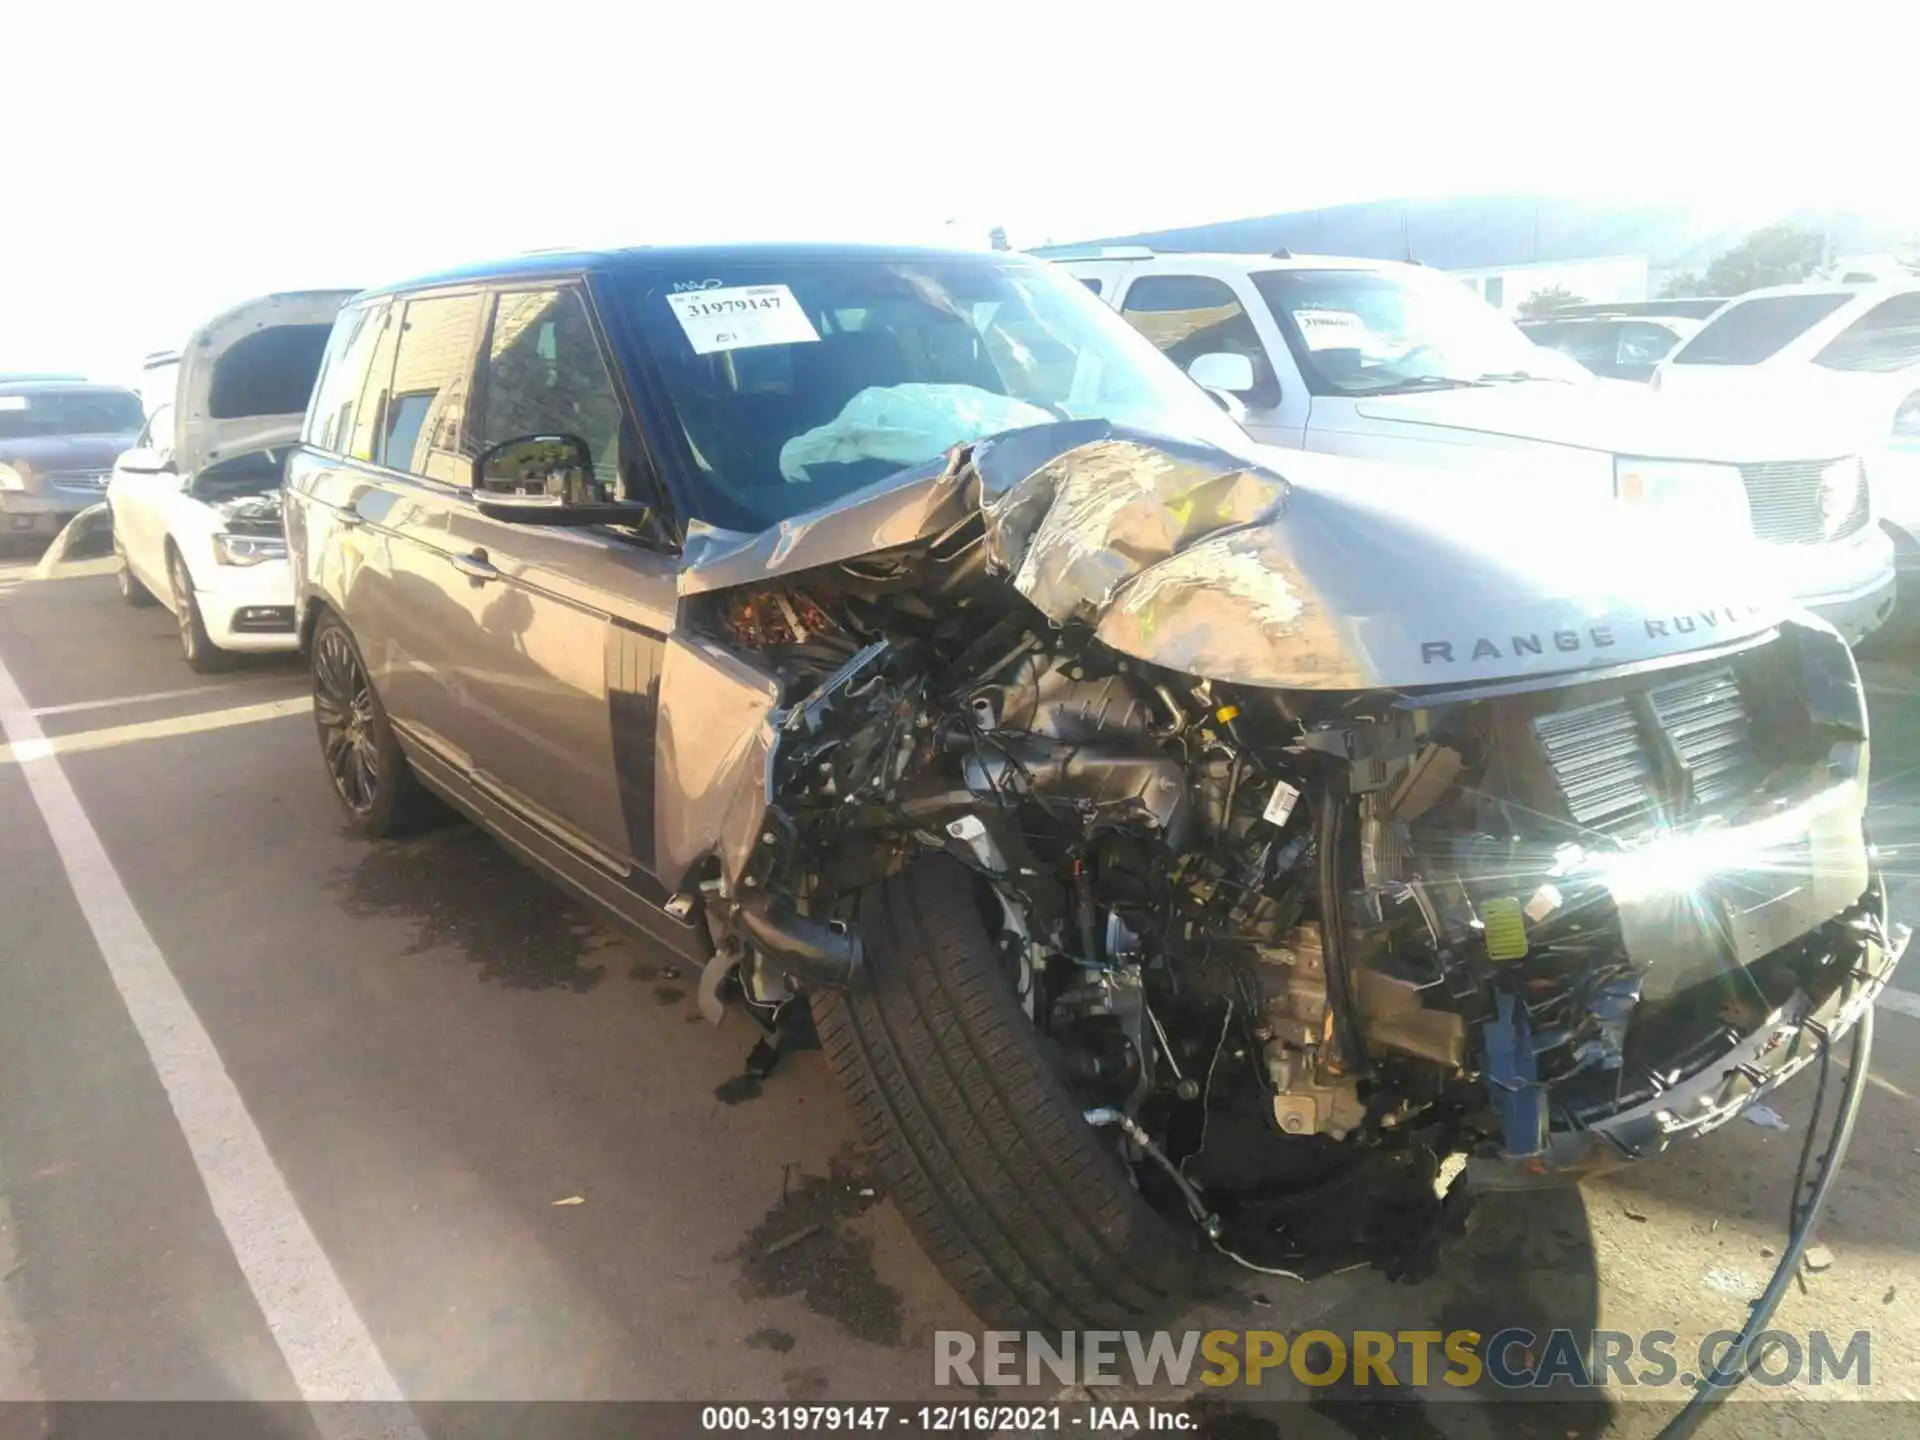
(1291,570)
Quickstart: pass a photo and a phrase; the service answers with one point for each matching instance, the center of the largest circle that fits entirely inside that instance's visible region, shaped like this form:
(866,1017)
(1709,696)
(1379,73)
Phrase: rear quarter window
(1751,331)
(1886,338)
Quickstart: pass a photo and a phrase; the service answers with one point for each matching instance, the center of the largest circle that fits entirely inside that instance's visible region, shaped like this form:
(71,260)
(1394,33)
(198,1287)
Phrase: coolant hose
(1732,1368)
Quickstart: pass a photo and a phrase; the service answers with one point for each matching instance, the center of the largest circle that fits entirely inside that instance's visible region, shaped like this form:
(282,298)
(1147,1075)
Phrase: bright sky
(184,155)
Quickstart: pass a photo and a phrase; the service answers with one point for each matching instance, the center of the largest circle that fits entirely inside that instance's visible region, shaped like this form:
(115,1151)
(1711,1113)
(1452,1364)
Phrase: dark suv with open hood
(58,439)
(1180,847)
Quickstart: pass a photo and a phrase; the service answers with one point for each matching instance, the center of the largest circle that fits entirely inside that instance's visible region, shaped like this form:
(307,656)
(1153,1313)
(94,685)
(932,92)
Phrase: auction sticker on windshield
(1331,329)
(740,317)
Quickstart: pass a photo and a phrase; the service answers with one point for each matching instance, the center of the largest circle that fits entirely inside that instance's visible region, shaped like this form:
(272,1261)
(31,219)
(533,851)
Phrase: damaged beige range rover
(1180,850)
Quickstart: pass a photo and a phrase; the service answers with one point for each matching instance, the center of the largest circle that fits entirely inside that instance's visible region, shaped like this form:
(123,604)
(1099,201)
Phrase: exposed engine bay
(1282,930)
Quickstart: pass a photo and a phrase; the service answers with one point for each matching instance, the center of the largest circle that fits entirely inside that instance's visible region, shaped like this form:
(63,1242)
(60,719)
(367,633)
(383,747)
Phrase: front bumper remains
(1865,950)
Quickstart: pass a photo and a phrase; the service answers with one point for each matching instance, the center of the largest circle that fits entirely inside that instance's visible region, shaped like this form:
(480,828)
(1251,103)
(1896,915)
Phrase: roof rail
(1095,252)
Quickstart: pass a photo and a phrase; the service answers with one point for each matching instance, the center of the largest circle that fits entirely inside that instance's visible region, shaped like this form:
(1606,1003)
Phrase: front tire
(371,777)
(131,590)
(203,656)
(1024,1207)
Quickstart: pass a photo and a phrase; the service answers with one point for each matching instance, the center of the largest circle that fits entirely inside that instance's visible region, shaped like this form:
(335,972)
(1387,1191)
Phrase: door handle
(351,520)
(475,566)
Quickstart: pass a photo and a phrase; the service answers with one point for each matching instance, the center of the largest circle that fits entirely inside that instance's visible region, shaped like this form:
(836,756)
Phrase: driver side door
(1187,316)
(529,642)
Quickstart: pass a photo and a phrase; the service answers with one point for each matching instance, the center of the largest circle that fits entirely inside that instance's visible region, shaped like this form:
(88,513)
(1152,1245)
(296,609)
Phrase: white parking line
(324,1340)
(109,736)
(152,697)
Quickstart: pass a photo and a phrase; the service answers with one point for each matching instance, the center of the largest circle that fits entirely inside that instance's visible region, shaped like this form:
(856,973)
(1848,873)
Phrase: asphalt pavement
(495,1148)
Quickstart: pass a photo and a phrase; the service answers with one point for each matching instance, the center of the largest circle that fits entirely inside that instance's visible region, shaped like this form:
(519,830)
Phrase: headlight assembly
(11,478)
(248,549)
(1685,492)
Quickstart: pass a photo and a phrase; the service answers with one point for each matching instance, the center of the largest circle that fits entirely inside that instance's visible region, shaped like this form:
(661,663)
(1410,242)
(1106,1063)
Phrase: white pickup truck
(1399,362)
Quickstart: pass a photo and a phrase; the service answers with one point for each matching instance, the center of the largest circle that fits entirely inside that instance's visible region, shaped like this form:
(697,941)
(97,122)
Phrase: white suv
(1399,362)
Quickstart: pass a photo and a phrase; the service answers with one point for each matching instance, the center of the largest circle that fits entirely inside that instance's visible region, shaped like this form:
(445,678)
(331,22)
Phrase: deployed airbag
(906,424)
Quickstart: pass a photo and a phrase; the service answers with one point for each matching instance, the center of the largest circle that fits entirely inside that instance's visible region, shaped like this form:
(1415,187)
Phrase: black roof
(562,263)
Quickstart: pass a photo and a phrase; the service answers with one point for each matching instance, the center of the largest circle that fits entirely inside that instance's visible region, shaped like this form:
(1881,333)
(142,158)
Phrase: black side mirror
(546,480)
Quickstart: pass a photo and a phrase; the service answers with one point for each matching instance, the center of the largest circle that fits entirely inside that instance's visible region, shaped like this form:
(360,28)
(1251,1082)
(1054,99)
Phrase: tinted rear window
(1753,330)
(1886,338)
(69,412)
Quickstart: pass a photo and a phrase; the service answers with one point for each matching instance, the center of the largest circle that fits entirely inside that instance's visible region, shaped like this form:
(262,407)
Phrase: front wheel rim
(184,614)
(343,709)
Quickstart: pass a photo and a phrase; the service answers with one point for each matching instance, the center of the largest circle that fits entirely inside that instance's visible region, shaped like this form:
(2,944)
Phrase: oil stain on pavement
(465,893)
(807,1246)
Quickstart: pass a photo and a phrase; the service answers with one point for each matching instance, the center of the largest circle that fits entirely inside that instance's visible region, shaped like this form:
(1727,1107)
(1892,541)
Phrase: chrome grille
(97,478)
(1677,748)
(1783,497)
(1599,760)
(1706,723)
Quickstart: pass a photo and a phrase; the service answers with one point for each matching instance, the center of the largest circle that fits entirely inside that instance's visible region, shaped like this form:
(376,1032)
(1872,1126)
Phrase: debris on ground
(572,1200)
(1633,1214)
(788,1242)
(1767,1118)
(1730,1282)
(1817,1258)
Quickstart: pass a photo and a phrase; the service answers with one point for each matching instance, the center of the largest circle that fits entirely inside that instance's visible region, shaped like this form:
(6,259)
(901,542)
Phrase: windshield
(1371,332)
(794,382)
(1750,331)
(69,412)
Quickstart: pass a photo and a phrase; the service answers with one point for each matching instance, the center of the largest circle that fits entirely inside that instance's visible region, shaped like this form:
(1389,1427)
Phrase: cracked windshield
(1214,729)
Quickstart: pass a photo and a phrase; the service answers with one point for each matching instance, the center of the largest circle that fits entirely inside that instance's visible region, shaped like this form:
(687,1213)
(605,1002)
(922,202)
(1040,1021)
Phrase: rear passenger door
(1190,315)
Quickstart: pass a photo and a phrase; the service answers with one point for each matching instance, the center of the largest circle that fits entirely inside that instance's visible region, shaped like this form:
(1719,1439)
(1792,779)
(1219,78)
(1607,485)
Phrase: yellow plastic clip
(1506,929)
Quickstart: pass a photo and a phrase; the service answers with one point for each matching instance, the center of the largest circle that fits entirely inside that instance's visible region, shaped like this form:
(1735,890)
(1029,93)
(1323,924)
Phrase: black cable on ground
(1732,1368)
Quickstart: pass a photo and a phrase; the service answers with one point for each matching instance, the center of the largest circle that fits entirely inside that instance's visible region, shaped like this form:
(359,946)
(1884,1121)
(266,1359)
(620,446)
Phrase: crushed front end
(1309,938)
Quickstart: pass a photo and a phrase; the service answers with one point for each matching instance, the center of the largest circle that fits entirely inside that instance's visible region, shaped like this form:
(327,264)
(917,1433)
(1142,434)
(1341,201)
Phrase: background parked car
(1398,362)
(196,503)
(57,443)
(1848,352)
(1620,347)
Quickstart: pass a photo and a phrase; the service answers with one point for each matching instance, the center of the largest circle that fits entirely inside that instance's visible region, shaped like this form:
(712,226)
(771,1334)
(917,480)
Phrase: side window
(427,400)
(370,413)
(1091,283)
(543,375)
(1886,338)
(1187,316)
(1642,343)
(343,375)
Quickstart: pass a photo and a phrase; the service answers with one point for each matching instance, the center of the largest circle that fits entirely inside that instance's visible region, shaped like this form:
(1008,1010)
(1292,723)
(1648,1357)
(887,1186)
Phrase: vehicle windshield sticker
(1331,329)
(740,317)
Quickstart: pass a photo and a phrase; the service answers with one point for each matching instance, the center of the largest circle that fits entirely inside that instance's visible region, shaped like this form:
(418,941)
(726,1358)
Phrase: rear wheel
(1027,1210)
(203,656)
(371,777)
(131,590)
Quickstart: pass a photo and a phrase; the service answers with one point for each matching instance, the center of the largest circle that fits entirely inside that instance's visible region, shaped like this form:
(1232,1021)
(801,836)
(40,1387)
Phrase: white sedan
(196,503)
(208,547)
